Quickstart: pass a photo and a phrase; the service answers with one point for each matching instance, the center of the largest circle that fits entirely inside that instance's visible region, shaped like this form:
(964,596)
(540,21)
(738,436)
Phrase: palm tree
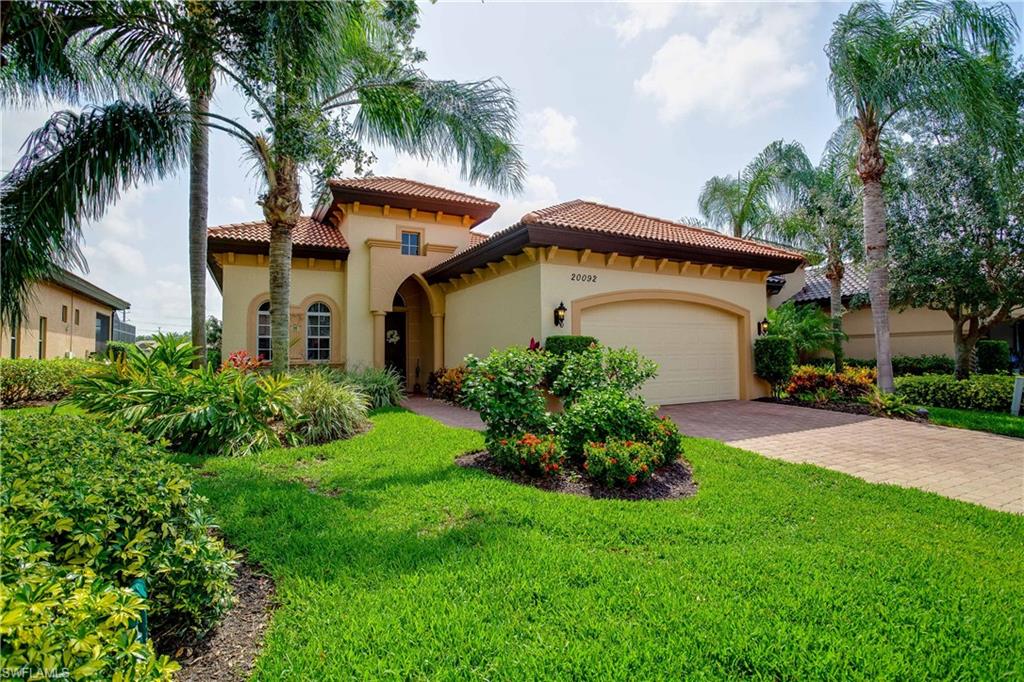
(746,204)
(887,60)
(305,67)
(824,220)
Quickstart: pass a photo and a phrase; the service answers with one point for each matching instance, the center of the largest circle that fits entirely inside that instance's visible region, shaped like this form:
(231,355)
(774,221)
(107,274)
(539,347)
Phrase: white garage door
(695,346)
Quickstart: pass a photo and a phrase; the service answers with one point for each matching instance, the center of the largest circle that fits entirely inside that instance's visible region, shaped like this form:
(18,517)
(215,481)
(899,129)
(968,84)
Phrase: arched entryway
(411,334)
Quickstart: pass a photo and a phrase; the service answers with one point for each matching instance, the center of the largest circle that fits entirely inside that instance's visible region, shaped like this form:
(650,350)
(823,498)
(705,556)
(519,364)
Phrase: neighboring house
(388,272)
(68,317)
(914,331)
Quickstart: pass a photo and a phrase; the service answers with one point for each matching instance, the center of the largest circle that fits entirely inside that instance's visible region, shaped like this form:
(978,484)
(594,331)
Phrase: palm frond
(72,169)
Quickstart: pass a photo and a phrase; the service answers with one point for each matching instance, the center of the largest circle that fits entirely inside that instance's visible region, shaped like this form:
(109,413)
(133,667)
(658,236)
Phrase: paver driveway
(968,465)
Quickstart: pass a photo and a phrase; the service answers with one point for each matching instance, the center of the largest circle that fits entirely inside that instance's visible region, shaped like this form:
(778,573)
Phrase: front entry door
(394,342)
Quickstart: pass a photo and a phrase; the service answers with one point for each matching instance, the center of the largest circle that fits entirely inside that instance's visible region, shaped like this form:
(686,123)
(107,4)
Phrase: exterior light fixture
(560,315)
(762,327)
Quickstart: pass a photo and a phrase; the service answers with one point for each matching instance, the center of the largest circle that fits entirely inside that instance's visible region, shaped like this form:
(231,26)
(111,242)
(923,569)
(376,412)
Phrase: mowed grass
(993,422)
(393,563)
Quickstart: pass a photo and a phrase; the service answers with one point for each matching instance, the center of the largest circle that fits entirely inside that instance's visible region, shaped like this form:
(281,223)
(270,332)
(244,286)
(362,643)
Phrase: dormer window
(410,243)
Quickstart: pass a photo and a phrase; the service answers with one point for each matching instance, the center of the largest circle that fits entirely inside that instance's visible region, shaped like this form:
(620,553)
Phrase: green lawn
(993,422)
(393,563)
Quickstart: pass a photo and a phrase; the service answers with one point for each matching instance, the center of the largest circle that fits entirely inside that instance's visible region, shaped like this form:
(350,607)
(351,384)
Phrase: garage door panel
(695,346)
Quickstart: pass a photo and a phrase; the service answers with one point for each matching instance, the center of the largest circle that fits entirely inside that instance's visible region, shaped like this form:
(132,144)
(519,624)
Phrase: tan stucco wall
(914,331)
(61,337)
(794,282)
(246,285)
(494,313)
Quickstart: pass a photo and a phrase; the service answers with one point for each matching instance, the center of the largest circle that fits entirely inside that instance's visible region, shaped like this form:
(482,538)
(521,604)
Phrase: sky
(631,104)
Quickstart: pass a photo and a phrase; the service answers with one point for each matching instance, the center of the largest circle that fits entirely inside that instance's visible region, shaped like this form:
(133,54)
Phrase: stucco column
(438,340)
(378,338)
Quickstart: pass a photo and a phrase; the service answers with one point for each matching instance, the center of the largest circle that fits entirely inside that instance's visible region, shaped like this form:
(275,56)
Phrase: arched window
(318,333)
(263,331)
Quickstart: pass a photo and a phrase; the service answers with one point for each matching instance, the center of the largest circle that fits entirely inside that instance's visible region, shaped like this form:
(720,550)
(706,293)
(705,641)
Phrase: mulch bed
(848,408)
(227,652)
(667,483)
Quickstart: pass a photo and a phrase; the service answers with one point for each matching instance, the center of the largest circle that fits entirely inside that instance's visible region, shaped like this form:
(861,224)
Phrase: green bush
(993,356)
(597,416)
(25,380)
(537,455)
(562,345)
(773,360)
(199,411)
(116,350)
(326,410)
(990,393)
(859,362)
(80,497)
(904,365)
(598,368)
(505,388)
(620,462)
(383,387)
(807,326)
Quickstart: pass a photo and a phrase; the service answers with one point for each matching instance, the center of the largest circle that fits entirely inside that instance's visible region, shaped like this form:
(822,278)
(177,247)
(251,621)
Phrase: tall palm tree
(746,204)
(887,60)
(323,74)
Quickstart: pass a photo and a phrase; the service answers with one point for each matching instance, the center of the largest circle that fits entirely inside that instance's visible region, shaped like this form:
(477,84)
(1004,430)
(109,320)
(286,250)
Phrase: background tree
(958,229)
(323,76)
(747,204)
(887,60)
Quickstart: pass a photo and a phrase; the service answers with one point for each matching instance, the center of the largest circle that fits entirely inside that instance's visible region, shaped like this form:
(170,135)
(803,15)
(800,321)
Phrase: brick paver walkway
(967,465)
(444,413)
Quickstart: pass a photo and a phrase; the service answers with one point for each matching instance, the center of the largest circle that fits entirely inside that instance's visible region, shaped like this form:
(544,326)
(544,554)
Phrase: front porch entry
(409,337)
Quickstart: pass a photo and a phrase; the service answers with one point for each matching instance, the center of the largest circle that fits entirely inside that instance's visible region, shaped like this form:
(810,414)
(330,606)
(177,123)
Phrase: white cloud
(113,257)
(539,191)
(746,63)
(554,134)
(641,17)
(123,220)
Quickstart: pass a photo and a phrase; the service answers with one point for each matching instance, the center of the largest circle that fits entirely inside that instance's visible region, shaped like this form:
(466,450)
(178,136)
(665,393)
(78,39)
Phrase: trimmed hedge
(80,498)
(993,356)
(773,360)
(902,365)
(990,393)
(26,380)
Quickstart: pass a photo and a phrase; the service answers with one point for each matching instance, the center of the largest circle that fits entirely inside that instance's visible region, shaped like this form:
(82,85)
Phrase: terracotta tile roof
(308,233)
(477,238)
(409,188)
(817,287)
(593,217)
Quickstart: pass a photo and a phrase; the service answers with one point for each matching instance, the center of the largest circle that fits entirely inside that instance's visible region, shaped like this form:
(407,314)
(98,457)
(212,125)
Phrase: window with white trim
(263,331)
(318,333)
(410,243)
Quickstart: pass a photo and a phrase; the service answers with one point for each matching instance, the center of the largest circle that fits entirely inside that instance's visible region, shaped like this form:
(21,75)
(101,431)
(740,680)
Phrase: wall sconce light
(560,315)
(762,327)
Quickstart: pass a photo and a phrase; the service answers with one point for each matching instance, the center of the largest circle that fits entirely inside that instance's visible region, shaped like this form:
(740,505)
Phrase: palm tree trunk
(281,208)
(834,273)
(871,168)
(198,205)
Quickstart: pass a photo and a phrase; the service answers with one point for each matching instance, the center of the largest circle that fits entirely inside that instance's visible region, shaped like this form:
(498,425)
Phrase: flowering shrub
(446,384)
(620,462)
(243,362)
(505,388)
(538,455)
(598,416)
(666,438)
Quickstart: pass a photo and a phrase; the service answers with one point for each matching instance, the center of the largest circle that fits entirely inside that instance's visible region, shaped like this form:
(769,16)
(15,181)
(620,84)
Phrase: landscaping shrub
(116,349)
(993,356)
(537,455)
(561,345)
(990,393)
(620,462)
(887,404)
(505,388)
(859,362)
(243,362)
(598,368)
(81,498)
(815,384)
(773,361)
(446,384)
(327,410)
(903,365)
(382,386)
(807,326)
(199,411)
(599,416)
(25,380)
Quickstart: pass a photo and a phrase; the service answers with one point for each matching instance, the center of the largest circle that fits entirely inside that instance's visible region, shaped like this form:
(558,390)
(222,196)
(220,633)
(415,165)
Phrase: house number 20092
(581,277)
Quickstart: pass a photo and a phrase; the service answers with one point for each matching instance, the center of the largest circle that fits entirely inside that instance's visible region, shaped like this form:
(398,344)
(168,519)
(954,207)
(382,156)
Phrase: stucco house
(914,331)
(68,316)
(390,272)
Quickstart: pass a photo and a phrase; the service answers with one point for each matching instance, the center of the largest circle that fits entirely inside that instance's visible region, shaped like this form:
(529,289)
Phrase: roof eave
(86,288)
(248,246)
(376,197)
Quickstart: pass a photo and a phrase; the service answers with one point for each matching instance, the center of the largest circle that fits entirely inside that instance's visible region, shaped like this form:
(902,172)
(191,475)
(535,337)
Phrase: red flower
(504,441)
(643,468)
(631,479)
(586,465)
(613,460)
(554,467)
